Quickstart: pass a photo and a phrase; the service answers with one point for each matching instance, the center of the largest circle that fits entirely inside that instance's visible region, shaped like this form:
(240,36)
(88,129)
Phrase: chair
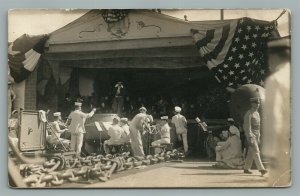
(115,149)
(164,147)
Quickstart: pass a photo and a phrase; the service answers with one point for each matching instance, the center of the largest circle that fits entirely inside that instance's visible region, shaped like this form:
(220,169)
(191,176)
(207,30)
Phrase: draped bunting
(24,54)
(235,51)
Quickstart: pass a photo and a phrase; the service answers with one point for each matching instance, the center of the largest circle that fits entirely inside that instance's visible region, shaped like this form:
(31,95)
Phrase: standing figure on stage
(136,131)
(56,131)
(76,122)
(180,123)
(252,131)
(115,133)
(118,100)
(164,133)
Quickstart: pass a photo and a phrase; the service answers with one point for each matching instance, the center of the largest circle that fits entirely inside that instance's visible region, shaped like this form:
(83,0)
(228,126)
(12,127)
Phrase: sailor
(136,128)
(232,127)
(56,131)
(252,131)
(126,133)
(164,132)
(115,133)
(180,123)
(229,153)
(76,122)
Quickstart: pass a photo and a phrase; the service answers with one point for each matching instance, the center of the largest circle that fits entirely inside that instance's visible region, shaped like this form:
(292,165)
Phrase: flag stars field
(244,54)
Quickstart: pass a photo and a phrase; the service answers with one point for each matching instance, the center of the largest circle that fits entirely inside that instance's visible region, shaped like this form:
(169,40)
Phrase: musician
(126,133)
(164,132)
(56,131)
(115,133)
(76,122)
(136,127)
(180,123)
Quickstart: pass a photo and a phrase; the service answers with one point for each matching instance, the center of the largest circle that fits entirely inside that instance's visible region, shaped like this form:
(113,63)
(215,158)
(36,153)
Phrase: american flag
(235,51)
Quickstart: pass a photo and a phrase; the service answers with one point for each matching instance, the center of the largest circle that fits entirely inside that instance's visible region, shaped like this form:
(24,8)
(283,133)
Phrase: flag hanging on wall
(24,54)
(235,52)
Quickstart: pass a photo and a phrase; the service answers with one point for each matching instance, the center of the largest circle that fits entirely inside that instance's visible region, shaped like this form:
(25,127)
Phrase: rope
(281,14)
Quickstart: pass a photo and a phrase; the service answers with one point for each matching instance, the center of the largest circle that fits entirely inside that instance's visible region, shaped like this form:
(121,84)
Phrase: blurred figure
(180,123)
(11,96)
(252,131)
(277,117)
(13,124)
(118,101)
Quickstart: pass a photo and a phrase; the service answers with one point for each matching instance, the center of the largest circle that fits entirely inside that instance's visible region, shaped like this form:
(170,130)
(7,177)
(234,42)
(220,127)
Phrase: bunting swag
(235,52)
(24,54)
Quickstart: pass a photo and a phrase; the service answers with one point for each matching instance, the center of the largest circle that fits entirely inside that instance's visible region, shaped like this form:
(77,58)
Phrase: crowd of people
(127,105)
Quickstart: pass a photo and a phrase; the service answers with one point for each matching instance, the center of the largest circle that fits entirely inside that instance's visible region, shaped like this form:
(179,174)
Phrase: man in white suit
(76,122)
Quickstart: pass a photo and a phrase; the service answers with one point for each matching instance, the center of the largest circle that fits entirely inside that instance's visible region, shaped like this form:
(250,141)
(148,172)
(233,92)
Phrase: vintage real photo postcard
(132,98)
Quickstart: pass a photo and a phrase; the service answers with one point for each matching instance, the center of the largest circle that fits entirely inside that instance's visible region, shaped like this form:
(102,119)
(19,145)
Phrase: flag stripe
(207,39)
(221,57)
(213,54)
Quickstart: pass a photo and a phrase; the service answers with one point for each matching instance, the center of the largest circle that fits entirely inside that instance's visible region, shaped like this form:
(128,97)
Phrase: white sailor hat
(282,42)
(78,104)
(143,108)
(56,114)
(177,109)
(125,120)
(164,117)
(230,120)
(233,131)
(116,118)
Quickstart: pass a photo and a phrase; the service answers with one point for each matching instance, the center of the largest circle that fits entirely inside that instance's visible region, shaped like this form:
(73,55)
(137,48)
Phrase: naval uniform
(77,128)
(136,129)
(164,135)
(252,130)
(55,135)
(180,123)
(115,133)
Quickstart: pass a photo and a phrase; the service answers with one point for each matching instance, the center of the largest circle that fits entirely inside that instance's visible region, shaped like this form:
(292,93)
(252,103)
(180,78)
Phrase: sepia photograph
(149,98)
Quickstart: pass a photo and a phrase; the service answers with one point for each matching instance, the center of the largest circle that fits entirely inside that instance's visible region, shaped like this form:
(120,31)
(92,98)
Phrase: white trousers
(183,137)
(76,142)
